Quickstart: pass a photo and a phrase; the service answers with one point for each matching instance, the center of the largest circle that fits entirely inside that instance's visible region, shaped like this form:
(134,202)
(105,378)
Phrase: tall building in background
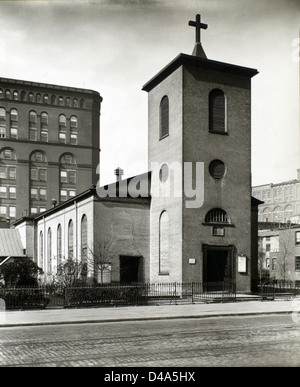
(49,145)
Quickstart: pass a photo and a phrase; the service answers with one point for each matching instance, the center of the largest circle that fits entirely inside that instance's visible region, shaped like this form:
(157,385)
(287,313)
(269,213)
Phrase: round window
(164,173)
(217,169)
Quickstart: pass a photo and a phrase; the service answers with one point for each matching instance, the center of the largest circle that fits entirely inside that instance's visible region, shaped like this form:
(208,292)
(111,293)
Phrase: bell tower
(200,143)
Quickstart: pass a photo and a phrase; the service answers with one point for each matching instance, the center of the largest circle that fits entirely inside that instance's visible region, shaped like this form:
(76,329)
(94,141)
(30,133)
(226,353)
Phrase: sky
(116,46)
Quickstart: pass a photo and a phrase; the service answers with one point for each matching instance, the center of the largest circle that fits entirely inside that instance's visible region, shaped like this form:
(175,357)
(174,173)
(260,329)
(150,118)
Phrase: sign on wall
(242,264)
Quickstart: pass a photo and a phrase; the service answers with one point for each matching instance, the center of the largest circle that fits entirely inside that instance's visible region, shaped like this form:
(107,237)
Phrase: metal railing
(272,289)
(117,294)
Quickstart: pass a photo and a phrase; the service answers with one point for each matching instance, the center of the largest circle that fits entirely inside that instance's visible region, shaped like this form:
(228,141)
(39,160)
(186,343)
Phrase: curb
(74,322)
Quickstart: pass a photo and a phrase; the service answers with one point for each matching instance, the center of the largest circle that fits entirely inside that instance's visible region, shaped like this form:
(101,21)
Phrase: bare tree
(101,258)
(71,272)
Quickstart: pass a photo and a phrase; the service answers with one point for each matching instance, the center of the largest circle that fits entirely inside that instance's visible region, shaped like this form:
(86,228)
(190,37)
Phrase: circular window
(163,173)
(217,169)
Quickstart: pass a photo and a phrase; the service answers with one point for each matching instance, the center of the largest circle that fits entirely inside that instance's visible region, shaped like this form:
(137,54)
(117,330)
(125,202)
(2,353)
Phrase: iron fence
(272,289)
(117,294)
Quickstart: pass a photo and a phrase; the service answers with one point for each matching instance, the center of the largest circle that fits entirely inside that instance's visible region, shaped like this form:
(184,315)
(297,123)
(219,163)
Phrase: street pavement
(271,340)
(139,313)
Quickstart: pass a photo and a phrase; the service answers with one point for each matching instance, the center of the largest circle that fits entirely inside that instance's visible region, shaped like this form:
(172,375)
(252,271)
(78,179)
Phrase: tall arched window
(75,102)
(14,115)
(217,111)
(2,113)
(59,245)
(44,127)
(164,259)
(60,101)
(84,245)
(70,240)
(32,125)
(84,238)
(2,122)
(41,257)
(49,251)
(15,95)
(7,94)
(164,117)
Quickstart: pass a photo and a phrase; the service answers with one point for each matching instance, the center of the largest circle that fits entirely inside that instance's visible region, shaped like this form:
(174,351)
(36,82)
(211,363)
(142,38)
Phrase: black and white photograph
(149,186)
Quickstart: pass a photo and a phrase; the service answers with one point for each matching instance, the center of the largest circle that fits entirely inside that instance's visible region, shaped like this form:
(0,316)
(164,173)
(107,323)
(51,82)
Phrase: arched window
(8,154)
(217,215)
(73,122)
(49,250)
(70,240)
(38,157)
(84,244)
(1,93)
(32,117)
(30,97)
(7,94)
(164,117)
(68,101)
(266,215)
(44,127)
(38,98)
(41,260)
(46,98)
(82,103)
(288,212)
(15,95)
(75,102)
(23,95)
(44,118)
(217,111)
(62,120)
(277,214)
(164,259)
(59,245)
(67,158)
(2,114)
(14,115)
(60,101)
(53,99)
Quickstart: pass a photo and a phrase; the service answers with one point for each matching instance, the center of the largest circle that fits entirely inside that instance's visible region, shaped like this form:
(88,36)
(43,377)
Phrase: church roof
(10,243)
(184,59)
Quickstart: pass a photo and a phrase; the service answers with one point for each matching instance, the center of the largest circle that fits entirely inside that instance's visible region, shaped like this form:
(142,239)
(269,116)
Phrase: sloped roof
(10,243)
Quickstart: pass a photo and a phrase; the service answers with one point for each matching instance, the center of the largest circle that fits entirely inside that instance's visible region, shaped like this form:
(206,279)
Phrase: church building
(191,217)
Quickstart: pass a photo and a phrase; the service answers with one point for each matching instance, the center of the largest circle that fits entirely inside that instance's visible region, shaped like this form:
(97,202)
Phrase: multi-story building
(279,251)
(49,145)
(281,201)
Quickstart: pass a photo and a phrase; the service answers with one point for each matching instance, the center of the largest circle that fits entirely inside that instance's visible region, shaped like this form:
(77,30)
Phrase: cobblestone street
(234,341)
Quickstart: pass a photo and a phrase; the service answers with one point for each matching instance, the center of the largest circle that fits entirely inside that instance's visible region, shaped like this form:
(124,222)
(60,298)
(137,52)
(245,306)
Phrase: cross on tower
(198,26)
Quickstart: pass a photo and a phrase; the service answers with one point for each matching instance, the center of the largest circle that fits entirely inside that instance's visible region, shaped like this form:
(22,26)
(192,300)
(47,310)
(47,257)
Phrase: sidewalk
(136,313)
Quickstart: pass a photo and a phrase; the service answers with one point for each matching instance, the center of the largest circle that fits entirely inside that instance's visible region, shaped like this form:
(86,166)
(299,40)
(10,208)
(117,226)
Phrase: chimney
(119,172)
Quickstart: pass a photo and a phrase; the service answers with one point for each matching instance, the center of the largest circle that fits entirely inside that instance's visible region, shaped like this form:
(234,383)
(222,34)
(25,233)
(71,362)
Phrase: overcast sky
(116,46)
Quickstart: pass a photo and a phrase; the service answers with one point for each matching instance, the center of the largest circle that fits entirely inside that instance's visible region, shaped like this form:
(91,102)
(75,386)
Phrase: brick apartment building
(49,145)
